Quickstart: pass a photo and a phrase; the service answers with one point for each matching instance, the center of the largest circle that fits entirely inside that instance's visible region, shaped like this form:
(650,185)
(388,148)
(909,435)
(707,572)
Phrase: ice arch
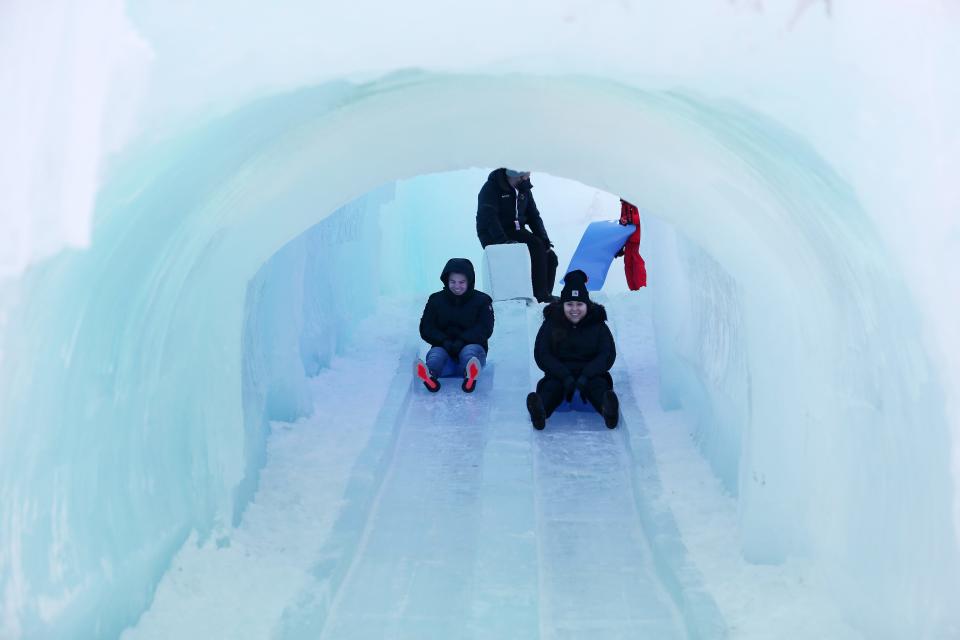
(136,441)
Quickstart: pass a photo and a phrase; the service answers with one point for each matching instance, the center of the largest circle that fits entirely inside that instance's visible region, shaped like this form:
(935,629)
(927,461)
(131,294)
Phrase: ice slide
(158,156)
(458,520)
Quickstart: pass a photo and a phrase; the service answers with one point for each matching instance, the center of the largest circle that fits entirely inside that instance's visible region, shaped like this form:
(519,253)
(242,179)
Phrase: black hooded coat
(565,349)
(451,321)
(503,210)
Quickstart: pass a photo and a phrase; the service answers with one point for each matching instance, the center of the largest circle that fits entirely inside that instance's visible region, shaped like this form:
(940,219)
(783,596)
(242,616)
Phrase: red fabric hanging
(633,264)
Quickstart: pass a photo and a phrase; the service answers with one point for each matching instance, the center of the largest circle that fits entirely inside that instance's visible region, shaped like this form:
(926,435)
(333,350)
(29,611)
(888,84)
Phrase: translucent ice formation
(801,163)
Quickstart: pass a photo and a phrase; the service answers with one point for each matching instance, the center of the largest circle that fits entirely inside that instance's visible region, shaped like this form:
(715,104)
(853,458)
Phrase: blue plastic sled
(450,369)
(577,404)
(600,243)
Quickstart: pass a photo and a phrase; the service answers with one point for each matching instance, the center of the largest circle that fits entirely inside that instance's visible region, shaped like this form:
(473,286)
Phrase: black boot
(538,416)
(610,409)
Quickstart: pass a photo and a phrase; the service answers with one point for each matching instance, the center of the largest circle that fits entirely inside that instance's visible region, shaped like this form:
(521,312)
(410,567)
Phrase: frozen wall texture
(431,217)
(701,342)
(298,313)
(805,159)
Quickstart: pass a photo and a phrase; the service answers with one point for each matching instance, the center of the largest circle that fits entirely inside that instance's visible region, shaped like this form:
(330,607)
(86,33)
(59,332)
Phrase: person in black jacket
(457,322)
(505,207)
(575,350)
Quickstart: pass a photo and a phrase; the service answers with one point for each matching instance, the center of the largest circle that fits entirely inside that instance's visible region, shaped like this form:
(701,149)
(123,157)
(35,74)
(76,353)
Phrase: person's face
(457,283)
(574,310)
(515,182)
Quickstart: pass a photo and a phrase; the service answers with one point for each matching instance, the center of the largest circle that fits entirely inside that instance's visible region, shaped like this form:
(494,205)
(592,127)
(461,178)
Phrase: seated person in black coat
(505,208)
(575,350)
(457,322)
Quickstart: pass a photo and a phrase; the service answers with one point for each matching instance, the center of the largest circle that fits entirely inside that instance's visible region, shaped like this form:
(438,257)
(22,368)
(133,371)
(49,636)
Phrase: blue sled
(450,369)
(577,404)
(600,243)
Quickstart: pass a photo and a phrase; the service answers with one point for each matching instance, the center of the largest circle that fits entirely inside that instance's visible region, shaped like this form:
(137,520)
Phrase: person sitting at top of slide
(575,350)
(457,322)
(505,207)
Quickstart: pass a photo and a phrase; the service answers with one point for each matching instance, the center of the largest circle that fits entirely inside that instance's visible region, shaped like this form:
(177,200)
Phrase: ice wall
(430,220)
(301,309)
(809,159)
(793,385)
(701,345)
(130,355)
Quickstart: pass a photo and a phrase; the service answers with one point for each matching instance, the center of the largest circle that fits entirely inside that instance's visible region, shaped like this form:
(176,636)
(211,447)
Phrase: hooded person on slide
(457,321)
(575,351)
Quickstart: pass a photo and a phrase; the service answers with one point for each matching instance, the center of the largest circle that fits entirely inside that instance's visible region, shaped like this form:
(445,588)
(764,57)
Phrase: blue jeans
(437,358)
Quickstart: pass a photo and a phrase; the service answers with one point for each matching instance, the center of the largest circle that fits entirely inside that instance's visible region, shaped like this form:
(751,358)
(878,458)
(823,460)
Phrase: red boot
(470,375)
(423,374)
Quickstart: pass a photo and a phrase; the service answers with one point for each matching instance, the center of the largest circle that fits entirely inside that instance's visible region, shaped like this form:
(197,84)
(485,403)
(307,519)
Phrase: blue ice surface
(133,395)
(464,521)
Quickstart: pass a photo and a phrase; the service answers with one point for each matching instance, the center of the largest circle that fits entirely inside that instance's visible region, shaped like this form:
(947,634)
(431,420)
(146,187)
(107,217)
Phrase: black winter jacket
(500,208)
(566,349)
(467,318)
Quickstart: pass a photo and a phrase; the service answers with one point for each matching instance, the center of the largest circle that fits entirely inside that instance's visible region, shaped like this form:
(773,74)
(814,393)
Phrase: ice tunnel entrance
(756,199)
(782,268)
(780,277)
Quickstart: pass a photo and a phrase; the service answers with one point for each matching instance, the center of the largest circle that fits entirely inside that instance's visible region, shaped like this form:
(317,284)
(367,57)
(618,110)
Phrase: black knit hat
(575,287)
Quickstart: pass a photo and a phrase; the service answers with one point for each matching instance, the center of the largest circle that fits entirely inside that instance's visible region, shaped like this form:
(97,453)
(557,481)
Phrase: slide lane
(506,598)
(700,613)
(464,522)
(412,575)
(422,555)
(598,575)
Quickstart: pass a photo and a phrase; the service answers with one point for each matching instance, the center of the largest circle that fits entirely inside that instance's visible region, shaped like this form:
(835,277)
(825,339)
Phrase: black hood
(499,178)
(459,265)
(553,312)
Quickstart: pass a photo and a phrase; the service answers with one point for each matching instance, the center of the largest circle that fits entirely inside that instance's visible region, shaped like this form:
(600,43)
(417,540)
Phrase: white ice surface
(756,601)
(238,586)
(468,523)
(802,156)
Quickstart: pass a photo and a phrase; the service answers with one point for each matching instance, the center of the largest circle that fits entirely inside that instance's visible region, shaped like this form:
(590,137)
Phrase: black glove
(569,384)
(582,386)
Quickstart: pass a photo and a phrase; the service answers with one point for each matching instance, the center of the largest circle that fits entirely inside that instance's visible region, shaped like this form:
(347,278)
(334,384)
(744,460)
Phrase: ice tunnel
(232,257)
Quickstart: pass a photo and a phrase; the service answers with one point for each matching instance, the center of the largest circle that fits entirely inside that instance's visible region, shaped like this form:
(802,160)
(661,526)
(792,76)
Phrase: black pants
(550,391)
(543,263)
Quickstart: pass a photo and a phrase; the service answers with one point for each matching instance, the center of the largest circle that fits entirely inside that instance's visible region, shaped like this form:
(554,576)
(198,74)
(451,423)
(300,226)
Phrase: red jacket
(634,265)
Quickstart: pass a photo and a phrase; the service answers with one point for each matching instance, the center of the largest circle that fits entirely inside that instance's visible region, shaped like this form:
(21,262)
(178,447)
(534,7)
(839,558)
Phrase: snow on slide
(597,573)
(450,548)
(456,519)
